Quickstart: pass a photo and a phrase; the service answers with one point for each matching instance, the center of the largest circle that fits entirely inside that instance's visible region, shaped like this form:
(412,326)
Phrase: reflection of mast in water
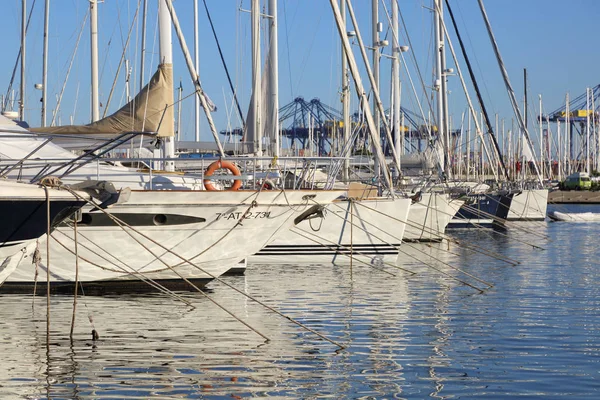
(343,366)
(438,358)
(390,308)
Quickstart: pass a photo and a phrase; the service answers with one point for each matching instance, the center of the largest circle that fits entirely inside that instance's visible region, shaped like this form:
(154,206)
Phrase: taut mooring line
(124,224)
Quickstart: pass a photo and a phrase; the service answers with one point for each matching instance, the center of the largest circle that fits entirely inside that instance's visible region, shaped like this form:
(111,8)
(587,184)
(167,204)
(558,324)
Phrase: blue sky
(553,39)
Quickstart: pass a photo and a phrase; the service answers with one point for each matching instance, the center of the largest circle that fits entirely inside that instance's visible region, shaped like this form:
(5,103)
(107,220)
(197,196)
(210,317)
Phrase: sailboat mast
(525,98)
(193,74)
(444,84)
(23,34)
(374,85)
(360,90)
(511,92)
(477,91)
(273,79)
(94,59)
(197,66)
(396,85)
(166,57)
(541,120)
(45,61)
(438,83)
(376,116)
(143,45)
(345,97)
(256,73)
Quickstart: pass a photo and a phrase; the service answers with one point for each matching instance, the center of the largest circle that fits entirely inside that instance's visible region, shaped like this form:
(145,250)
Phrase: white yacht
(368,230)
(175,234)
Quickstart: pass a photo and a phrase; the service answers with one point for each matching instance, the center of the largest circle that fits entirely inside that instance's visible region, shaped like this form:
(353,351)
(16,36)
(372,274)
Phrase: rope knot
(51,181)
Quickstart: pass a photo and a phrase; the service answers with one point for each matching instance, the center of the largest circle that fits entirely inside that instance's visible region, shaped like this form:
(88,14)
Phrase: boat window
(160,219)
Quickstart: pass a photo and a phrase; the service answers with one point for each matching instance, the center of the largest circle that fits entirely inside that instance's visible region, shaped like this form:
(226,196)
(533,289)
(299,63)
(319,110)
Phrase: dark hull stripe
(473,224)
(332,253)
(322,250)
(325,250)
(100,288)
(318,246)
(423,240)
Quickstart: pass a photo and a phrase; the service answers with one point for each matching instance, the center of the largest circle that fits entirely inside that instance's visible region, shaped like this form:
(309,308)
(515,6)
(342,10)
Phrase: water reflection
(535,332)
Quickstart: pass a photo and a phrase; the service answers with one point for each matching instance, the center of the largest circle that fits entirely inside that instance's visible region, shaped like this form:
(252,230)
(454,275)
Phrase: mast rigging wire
(237,103)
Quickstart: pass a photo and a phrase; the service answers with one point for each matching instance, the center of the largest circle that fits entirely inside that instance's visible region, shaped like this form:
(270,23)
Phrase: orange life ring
(222,164)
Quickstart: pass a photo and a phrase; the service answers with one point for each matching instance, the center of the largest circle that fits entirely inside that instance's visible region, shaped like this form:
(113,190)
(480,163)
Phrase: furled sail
(145,113)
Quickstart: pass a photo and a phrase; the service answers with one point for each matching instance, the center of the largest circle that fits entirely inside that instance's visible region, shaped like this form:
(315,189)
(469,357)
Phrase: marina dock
(574,197)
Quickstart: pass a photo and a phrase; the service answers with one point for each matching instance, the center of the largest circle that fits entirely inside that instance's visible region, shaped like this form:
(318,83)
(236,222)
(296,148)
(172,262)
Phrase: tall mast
(444,83)
(256,73)
(45,61)
(374,86)
(143,46)
(375,35)
(273,79)
(511,92)
(166,58)
(396,85)
(345,97)
(193,74)
(179,99)
(23,34)
(197,66)
(525,101)
(360,90)
(541,120)
(439,86)
(94,59)
(477,91)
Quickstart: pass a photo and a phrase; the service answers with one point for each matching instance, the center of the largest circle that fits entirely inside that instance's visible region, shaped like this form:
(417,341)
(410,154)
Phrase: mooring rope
(123,224)
(486,214)
(133,272)
(476,248)
(421,261)
(515,224)
(336,246)
(75,240)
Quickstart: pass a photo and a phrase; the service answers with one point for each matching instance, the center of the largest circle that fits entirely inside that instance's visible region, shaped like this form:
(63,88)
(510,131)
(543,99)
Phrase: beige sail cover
(150,111)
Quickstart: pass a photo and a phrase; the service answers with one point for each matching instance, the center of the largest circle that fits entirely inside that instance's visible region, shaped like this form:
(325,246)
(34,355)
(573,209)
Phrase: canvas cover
(150,111)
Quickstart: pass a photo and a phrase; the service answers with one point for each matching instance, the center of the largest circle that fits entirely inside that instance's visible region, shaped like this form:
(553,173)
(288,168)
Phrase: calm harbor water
(535,333)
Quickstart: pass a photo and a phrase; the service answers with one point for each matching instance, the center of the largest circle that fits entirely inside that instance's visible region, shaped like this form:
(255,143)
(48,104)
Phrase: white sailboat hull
(529,205)
(213,230)
(429,217)
(368,231)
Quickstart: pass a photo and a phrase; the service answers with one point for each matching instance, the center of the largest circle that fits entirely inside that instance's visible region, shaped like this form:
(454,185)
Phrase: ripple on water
(534,333)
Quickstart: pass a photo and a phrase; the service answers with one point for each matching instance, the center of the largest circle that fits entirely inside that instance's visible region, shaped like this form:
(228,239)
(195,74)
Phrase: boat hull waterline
(213,230)
(482,211)
(368,231)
